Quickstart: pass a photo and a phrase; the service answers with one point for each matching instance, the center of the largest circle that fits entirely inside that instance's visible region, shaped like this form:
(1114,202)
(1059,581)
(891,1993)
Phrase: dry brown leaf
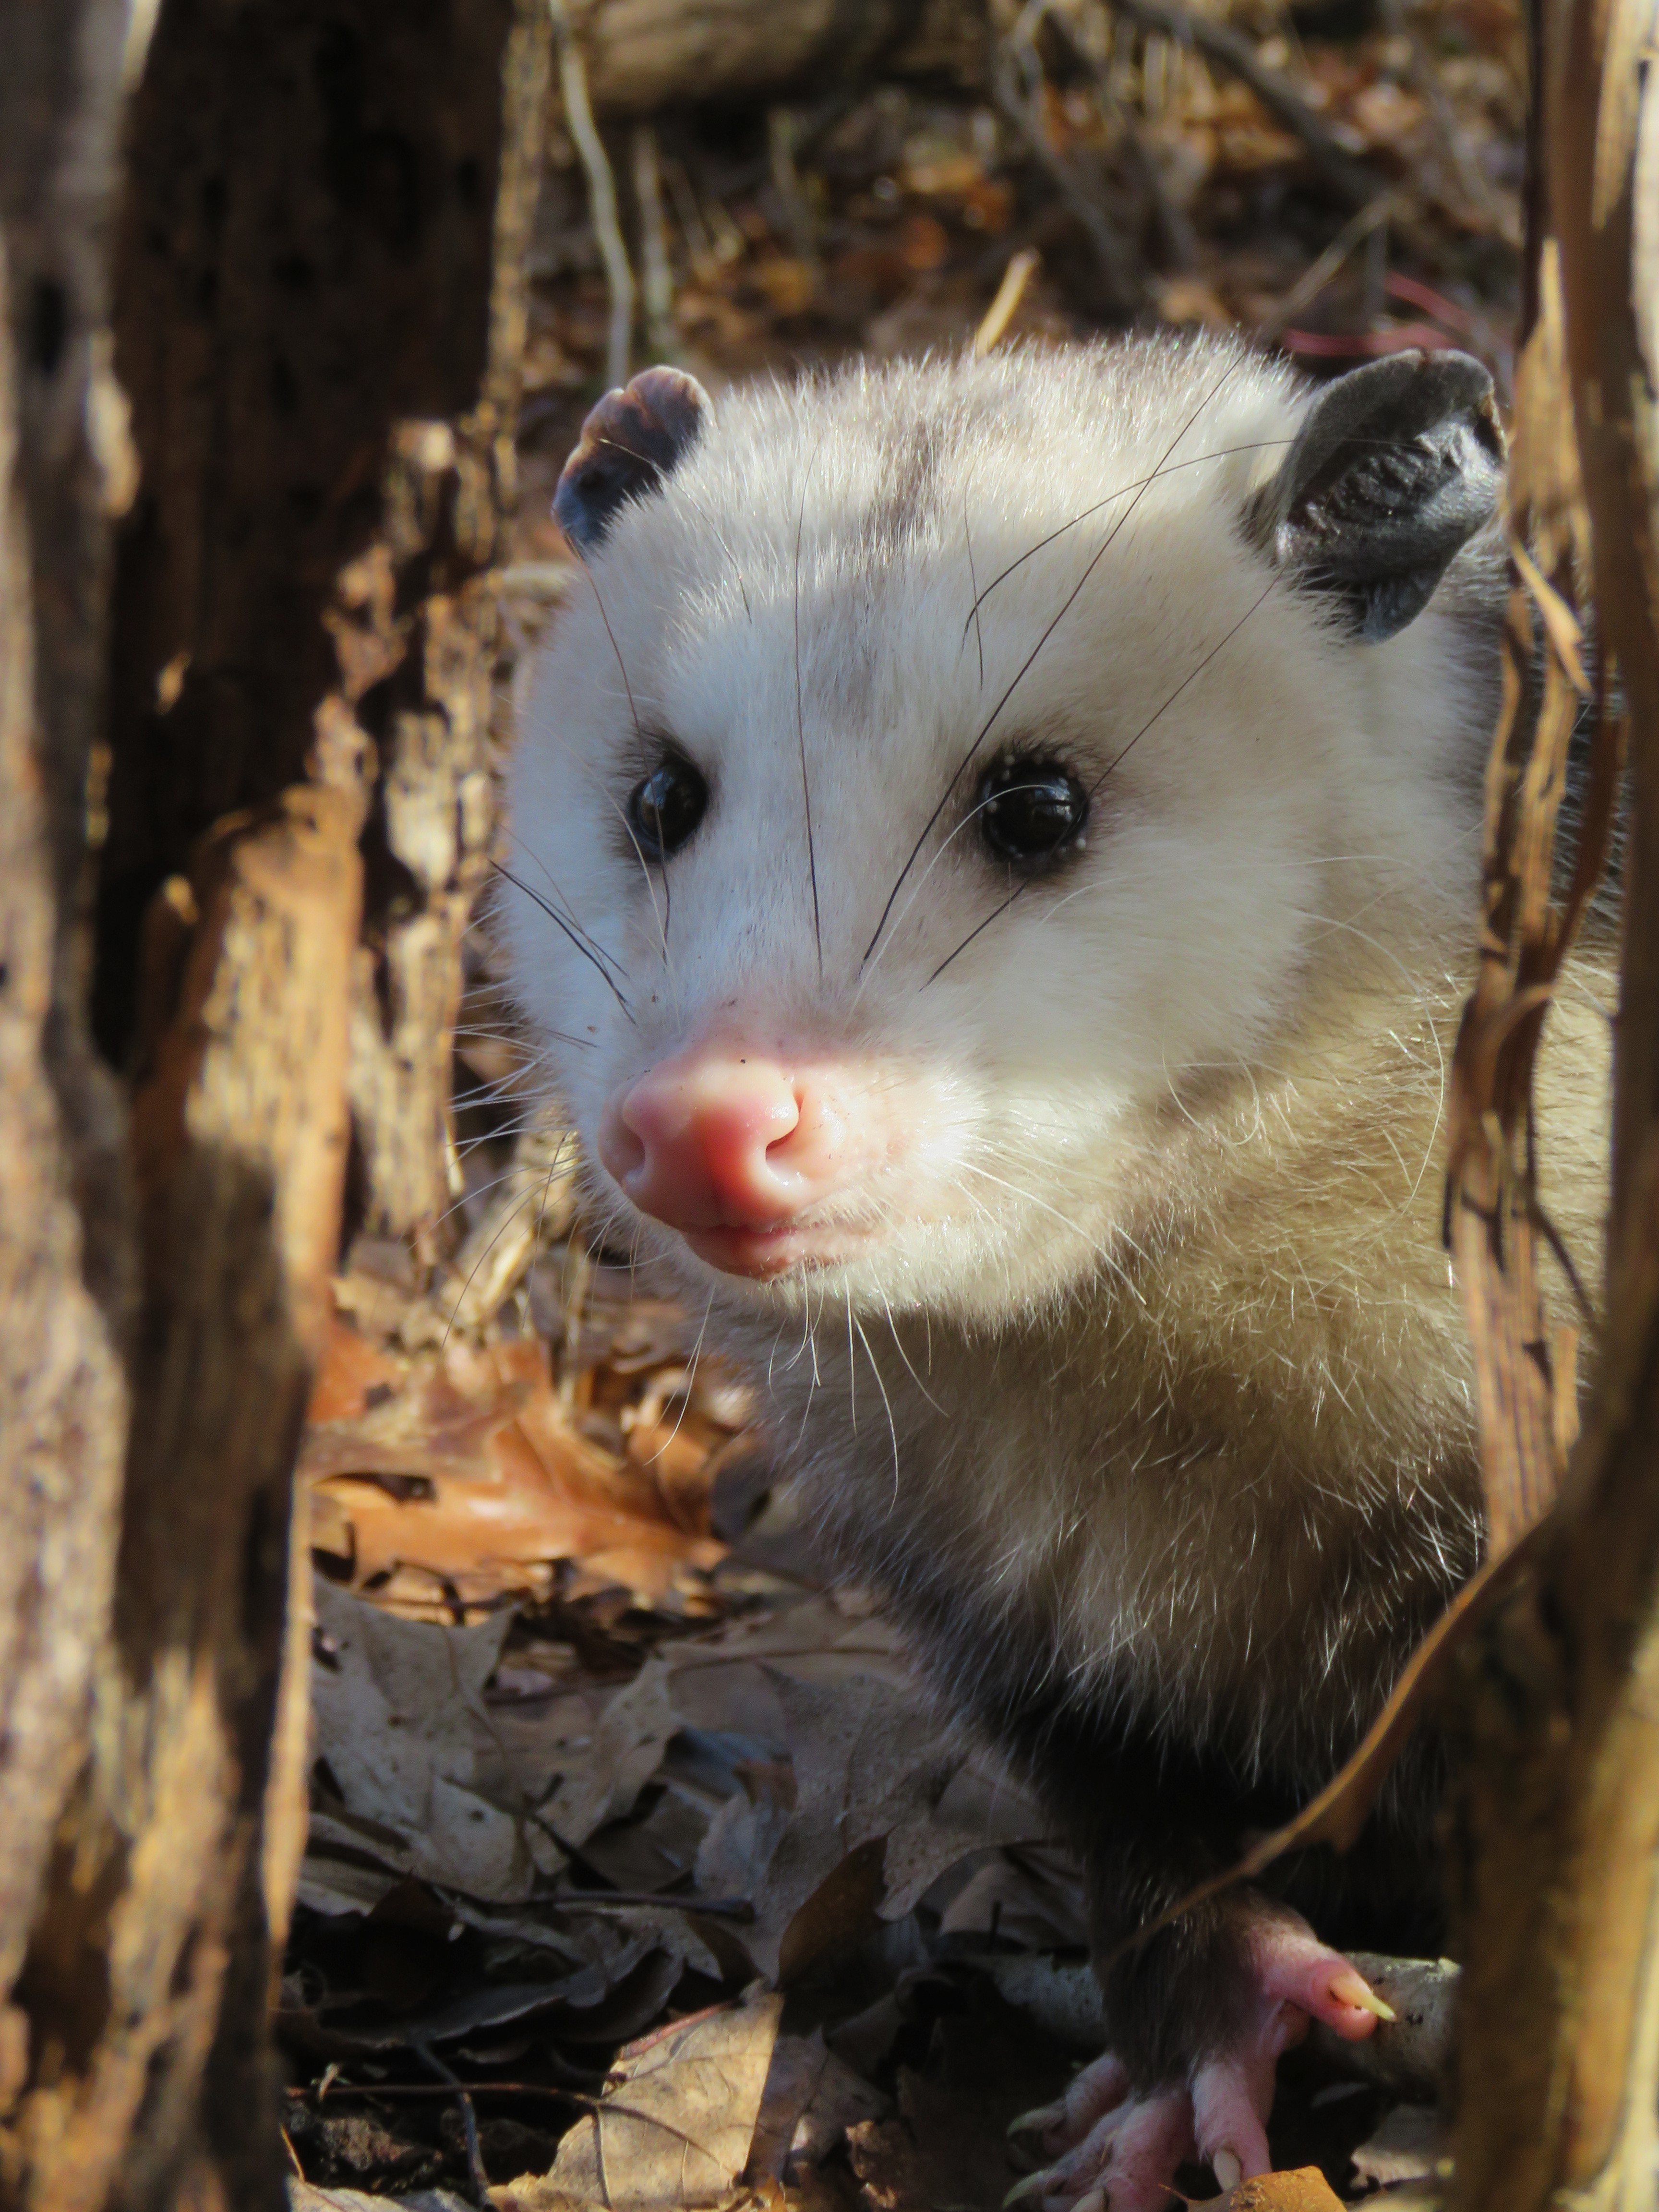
(812,2098)
(1303,2190)
(464,1463)
(400,1723)
(675,2125)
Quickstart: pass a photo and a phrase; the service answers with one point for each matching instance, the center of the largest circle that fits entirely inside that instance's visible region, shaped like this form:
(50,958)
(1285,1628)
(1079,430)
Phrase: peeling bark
(1555,1838)
(319,312)
(63,1247)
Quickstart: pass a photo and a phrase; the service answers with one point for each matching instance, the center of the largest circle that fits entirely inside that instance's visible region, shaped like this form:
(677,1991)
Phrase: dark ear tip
(1426,387)
(630,440)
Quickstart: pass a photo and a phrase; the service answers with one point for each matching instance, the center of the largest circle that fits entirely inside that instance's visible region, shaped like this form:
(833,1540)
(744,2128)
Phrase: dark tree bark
(319,307)
(1555,1857)
(63,1252)
(318,317)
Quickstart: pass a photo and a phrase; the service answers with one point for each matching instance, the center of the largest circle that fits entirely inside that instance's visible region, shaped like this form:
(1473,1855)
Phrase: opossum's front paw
(1112,2149)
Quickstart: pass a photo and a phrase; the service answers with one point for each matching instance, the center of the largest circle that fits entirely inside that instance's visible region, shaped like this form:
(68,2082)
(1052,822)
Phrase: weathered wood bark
(320,313)
(1556,1844)
(642,55)
(63,1292)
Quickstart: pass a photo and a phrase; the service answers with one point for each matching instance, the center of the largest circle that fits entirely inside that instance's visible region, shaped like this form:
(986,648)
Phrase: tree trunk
(63,1248)
(320,314)
(1556,1841)
(319,320)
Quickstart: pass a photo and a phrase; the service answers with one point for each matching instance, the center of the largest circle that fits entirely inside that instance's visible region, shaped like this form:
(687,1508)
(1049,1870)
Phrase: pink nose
(721,1138)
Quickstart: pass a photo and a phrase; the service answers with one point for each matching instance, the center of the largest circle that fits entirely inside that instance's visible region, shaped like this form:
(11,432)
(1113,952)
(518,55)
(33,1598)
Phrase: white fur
(1166,1222)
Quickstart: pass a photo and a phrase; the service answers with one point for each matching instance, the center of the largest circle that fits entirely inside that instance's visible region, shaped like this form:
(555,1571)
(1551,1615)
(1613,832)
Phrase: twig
(1103,234)
(1179,238)
(1318,274)
(1355,183)
(601,194)
(782,136)
(1022,267)
(657,287)
(477,2178)
(1424,80)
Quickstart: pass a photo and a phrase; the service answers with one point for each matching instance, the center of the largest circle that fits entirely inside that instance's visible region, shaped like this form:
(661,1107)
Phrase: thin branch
(601,196)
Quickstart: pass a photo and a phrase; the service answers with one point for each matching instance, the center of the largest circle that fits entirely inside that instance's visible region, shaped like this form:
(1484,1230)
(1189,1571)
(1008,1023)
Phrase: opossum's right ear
(1396,466)
(630,441)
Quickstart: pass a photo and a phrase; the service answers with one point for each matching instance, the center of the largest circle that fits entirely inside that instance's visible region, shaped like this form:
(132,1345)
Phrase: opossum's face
(936,789)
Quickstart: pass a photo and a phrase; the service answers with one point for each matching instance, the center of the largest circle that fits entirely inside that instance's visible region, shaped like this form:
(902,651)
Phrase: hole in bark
(48,326)
(284,387)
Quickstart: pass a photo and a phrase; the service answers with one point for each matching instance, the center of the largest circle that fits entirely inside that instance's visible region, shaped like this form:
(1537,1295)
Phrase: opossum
(997,849)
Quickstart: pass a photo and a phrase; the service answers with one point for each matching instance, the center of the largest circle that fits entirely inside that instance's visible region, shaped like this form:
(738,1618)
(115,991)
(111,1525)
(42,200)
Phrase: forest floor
(642,1872)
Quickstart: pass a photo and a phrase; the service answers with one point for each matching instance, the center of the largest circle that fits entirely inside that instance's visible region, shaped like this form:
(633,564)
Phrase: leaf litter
(642,1869)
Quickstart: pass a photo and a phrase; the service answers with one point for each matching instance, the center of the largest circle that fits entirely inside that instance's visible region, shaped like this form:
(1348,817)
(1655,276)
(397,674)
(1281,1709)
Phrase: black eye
(1029,811)
(666,807)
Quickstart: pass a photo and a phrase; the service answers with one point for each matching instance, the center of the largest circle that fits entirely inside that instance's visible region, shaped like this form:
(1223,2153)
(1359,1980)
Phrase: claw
(1228,2170)
(1038,2120)
(1353,1989)
(1029,2185)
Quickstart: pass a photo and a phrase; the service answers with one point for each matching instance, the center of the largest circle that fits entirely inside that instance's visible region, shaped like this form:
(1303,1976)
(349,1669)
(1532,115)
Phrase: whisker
(1123,753)
(663,915)
(800,735)
(622,665)
(1137,484)
(1018,892)
(972,585)
(898,1346)
(892,1427)
(553,915)
(690,1379)
(558,891)
(1071,600)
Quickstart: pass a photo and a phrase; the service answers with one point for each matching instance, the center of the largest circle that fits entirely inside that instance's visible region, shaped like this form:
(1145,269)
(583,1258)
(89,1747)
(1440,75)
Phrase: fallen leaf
(811,2098)
(1304,2190)
(674,2126)
(472,1470)
(401,1730)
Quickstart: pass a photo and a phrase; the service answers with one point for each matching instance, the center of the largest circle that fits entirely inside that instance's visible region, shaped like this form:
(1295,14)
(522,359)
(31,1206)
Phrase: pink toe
(1127,2161)
(1230,2104)
(1295,1968)
(1096,2090)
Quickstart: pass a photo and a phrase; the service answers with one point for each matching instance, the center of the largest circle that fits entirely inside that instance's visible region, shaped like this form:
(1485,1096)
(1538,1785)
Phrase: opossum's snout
(735,1146)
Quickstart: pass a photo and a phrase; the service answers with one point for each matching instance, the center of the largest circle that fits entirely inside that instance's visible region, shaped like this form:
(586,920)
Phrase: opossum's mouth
(762,1255)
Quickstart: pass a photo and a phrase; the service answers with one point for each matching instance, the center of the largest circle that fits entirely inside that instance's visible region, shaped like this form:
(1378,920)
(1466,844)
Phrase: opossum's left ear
(630,441)
(1396,466)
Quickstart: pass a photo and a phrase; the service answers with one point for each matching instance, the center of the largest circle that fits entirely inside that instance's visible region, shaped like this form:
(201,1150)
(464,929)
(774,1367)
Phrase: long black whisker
(1018,889)
(665,917)
(1120,755)
(972,585)
(1139,483)
(1187,679)
(990,720)
(622,665)
(558,890)
(553,915)
(800,737)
